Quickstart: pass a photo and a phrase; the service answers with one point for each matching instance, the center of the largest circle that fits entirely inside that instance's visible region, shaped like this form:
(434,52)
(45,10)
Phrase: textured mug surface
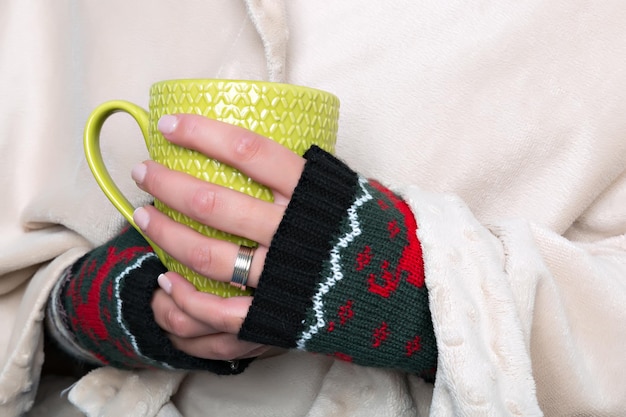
(294,116)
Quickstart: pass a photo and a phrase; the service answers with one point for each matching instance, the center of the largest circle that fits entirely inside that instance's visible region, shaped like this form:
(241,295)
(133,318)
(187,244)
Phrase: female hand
(202,324)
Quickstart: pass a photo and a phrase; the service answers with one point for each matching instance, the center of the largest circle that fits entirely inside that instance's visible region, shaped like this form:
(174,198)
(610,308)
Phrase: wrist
(298,251)
(344,274)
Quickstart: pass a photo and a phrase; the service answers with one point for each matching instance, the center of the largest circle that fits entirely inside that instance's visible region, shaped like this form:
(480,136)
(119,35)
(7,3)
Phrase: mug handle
(93,154)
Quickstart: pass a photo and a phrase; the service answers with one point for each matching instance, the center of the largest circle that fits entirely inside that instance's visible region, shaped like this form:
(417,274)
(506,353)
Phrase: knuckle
(176,323)
(220,315)
(225,349)
(188,128)
(152,181)
(200,259)
(203,202)
(247,147)
(224,316)
(224,321)
(216,313)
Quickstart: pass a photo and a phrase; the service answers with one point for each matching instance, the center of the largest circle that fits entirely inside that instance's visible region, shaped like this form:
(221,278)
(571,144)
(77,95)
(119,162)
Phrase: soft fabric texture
(344,274)
(99,311)
(500,123)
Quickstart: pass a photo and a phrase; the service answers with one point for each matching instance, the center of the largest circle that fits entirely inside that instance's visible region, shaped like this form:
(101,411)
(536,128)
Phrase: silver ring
(242,267)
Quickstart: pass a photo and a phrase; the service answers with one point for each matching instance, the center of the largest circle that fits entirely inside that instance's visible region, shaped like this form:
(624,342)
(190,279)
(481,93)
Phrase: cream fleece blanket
(502,123)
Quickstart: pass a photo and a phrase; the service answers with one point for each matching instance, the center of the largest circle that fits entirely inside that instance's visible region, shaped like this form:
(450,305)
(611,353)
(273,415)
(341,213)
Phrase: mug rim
(242,81)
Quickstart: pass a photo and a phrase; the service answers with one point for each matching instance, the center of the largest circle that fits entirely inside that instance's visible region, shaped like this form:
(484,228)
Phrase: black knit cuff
(299,249)
(136,296)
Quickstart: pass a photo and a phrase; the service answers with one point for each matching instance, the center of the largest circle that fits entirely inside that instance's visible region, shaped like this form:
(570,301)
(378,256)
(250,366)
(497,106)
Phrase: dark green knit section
(104,304)
(90,298)
(373,299)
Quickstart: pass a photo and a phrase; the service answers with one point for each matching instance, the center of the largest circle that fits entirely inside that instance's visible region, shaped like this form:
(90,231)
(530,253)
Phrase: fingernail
(167,123)
(139,172)
(141,217)
(165,283)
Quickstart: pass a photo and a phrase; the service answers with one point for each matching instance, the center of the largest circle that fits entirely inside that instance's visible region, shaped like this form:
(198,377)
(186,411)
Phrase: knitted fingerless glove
(99,311)
(344,274)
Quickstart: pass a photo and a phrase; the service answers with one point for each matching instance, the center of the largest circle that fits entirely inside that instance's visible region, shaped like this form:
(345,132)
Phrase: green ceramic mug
(294,116)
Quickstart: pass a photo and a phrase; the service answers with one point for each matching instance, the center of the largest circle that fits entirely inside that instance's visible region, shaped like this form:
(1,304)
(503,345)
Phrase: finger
(172,320)
(215,206)
(212,258)
(260,158)
(222,314)
(221,346)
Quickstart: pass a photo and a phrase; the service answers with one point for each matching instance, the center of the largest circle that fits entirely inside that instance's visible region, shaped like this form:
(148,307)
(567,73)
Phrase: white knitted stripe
(336,274)
(118,281)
